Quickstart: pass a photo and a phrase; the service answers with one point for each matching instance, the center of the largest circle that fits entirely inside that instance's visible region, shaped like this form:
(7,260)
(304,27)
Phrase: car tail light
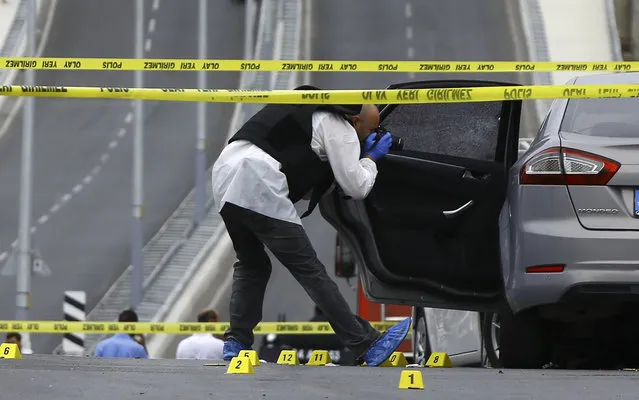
(562,166)
(545,269)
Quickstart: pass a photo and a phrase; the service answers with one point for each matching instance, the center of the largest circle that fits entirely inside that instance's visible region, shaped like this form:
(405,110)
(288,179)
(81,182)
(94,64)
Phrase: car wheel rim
(420,341)
(494,333)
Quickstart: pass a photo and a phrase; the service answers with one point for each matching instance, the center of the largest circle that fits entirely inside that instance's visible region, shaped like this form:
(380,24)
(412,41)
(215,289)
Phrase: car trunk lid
(609,206)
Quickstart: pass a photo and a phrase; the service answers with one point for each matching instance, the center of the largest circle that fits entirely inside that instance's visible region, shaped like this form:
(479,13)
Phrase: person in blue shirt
(121,345)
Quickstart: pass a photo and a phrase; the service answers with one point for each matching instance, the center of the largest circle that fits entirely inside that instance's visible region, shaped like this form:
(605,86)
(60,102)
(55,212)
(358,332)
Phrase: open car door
(427,235)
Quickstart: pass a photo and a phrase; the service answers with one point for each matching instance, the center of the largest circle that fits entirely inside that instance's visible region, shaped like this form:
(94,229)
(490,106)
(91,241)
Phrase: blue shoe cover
(232,349)
(381,350)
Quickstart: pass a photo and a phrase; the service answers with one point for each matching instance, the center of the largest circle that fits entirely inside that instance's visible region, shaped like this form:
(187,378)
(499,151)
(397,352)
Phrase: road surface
(83,148)
(398,30)
(105,379)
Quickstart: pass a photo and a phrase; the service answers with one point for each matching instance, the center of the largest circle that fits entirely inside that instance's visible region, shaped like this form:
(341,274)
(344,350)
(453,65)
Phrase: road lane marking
(128,118)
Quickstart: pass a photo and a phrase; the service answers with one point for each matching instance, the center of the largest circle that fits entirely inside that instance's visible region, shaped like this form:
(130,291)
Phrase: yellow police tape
(132,64)
(395,96)
(105,327)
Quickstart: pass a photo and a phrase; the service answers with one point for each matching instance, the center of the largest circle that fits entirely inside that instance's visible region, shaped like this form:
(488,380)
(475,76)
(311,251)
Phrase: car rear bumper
(602,264)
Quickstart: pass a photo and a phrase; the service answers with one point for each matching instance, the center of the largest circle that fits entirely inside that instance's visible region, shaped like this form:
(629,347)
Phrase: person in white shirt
(282,154)
(201,346)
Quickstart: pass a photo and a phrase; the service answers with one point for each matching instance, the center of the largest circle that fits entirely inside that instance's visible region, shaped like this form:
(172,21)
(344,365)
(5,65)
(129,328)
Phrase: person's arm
(355,176)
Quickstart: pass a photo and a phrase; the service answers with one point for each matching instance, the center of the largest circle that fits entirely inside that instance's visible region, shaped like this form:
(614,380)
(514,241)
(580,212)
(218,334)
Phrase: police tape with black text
(341,97)
(182,328)
(213,65)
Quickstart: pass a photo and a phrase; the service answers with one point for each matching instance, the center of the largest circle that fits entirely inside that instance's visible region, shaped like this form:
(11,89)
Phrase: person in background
(202,346)
(16,338)
(122,345)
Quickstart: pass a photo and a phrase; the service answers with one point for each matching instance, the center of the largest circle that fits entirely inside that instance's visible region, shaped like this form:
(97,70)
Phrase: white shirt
(200,346)
(248,177)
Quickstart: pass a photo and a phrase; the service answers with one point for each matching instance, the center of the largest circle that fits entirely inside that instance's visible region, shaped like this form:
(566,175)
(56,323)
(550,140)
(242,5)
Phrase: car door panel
(427,220)
(351,222)
(411,191)
(427,234)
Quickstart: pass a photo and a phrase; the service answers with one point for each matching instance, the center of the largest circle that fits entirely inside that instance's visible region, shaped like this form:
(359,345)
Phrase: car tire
(490,334)
(421,344)
(522,341)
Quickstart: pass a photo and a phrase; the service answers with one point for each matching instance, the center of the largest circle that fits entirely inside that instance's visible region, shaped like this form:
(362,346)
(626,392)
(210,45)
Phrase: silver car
(476,235)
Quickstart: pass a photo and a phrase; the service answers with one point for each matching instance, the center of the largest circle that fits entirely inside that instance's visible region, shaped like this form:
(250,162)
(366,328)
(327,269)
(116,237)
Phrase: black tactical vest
(284,131)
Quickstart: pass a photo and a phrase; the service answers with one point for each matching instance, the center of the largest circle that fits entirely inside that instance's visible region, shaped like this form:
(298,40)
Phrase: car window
(602,117)
(469,130)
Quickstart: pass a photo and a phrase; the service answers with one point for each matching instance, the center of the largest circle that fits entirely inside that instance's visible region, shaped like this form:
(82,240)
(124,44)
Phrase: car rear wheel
(421,344)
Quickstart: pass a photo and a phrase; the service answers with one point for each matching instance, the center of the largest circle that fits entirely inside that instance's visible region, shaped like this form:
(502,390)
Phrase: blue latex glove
(379,150)
(368,144)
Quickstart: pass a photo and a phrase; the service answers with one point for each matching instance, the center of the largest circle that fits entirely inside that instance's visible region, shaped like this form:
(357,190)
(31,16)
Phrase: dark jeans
(249,232)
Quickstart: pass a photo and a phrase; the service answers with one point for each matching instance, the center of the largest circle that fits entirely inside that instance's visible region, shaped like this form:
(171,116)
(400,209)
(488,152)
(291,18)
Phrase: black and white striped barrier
(74,310)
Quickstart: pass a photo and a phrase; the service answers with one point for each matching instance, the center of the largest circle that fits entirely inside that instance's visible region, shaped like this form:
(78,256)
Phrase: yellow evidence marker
(252,356)
(439,360)
(411,379)
(397,359)
(319,358)
(10,351)
(288,357)
(240,365)
(386,363)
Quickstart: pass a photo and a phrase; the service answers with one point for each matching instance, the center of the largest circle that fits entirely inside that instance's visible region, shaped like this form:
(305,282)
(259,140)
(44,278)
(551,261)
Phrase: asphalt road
(83,148)
(388,30)
(34,378)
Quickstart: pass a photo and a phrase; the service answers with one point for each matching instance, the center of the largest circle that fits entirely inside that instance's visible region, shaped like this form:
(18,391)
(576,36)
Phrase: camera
(397,143)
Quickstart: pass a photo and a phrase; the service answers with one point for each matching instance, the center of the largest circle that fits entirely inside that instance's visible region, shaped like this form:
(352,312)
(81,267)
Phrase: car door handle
(475,176)
(453,213)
